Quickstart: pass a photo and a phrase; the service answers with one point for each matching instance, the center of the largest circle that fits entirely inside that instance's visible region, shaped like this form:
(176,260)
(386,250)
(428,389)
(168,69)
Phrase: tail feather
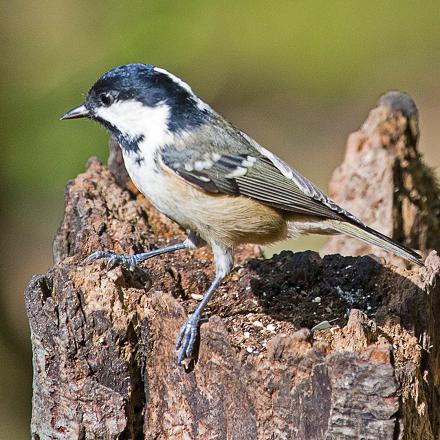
(373,237)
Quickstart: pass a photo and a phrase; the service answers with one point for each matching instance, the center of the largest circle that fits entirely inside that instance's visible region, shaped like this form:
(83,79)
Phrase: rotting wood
(103,340)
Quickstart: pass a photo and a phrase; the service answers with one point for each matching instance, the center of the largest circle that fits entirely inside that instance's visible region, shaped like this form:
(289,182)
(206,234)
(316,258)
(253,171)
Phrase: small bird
(211,178)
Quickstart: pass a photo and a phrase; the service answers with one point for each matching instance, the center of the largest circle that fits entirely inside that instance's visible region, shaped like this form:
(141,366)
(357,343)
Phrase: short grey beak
(77,112)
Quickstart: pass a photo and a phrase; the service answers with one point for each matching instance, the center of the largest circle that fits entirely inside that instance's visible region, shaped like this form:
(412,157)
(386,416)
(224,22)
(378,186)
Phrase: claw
(110,262)
(94,256)
(180,336)
(191,341)
(112,259)
(187,338)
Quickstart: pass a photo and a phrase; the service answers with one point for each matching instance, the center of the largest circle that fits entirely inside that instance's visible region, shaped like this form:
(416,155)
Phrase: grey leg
(133,260)
(188,332)
(193,241)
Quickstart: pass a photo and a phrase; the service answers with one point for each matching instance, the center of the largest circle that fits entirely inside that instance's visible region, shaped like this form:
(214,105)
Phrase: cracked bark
(103,340)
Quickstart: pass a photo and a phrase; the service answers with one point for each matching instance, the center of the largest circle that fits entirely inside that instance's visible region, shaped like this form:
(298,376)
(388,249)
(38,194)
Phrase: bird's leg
(188,332)
(132,261)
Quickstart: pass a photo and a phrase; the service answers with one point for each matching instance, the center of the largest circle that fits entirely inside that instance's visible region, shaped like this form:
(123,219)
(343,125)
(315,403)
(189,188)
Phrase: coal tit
(208,176)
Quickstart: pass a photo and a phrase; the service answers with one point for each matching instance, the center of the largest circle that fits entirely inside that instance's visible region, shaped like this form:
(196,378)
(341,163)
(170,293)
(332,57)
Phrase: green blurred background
(298,76)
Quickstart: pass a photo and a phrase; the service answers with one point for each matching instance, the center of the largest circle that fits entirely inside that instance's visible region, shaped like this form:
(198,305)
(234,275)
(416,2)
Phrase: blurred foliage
(297,75)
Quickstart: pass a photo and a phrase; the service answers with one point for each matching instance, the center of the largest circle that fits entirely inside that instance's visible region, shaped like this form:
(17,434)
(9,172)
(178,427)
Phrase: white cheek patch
(132,118)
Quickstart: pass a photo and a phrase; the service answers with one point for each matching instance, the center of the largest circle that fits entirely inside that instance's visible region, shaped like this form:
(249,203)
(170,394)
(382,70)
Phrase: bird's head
(136,100)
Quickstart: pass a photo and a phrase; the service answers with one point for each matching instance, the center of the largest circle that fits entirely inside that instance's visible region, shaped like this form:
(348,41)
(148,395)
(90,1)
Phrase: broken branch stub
(385,183)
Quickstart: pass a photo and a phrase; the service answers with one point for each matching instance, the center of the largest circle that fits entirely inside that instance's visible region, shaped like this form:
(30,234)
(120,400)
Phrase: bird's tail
(373,237)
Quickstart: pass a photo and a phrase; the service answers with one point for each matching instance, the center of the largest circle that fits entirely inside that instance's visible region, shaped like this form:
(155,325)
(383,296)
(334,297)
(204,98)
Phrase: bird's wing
(253,172)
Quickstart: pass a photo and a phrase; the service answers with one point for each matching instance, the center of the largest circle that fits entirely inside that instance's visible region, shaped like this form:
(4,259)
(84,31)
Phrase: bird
(211,178)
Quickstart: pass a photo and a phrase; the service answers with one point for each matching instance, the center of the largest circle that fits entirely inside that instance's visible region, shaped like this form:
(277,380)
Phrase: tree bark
(385,183)
(269,365)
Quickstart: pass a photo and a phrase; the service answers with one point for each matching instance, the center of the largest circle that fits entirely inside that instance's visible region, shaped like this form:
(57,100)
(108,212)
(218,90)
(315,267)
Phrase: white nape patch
(200,104)
(177,80)
(135,119)
(238,172)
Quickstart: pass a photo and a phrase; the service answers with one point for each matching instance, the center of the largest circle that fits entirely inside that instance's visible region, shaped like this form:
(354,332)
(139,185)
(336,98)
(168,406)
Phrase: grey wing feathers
(265,183)
(208,171)
(251,174)
(303,183)
(252,171)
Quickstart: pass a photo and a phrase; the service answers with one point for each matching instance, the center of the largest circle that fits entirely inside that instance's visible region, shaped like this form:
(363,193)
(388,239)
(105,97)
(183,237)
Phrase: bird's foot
(187,338)
(129,261)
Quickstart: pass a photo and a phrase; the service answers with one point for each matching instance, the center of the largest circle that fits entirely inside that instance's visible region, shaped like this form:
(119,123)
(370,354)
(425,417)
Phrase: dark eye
(106,99)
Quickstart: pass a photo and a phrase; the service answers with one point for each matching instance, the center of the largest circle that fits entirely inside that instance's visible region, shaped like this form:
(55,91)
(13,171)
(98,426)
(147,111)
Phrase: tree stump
(296,346)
